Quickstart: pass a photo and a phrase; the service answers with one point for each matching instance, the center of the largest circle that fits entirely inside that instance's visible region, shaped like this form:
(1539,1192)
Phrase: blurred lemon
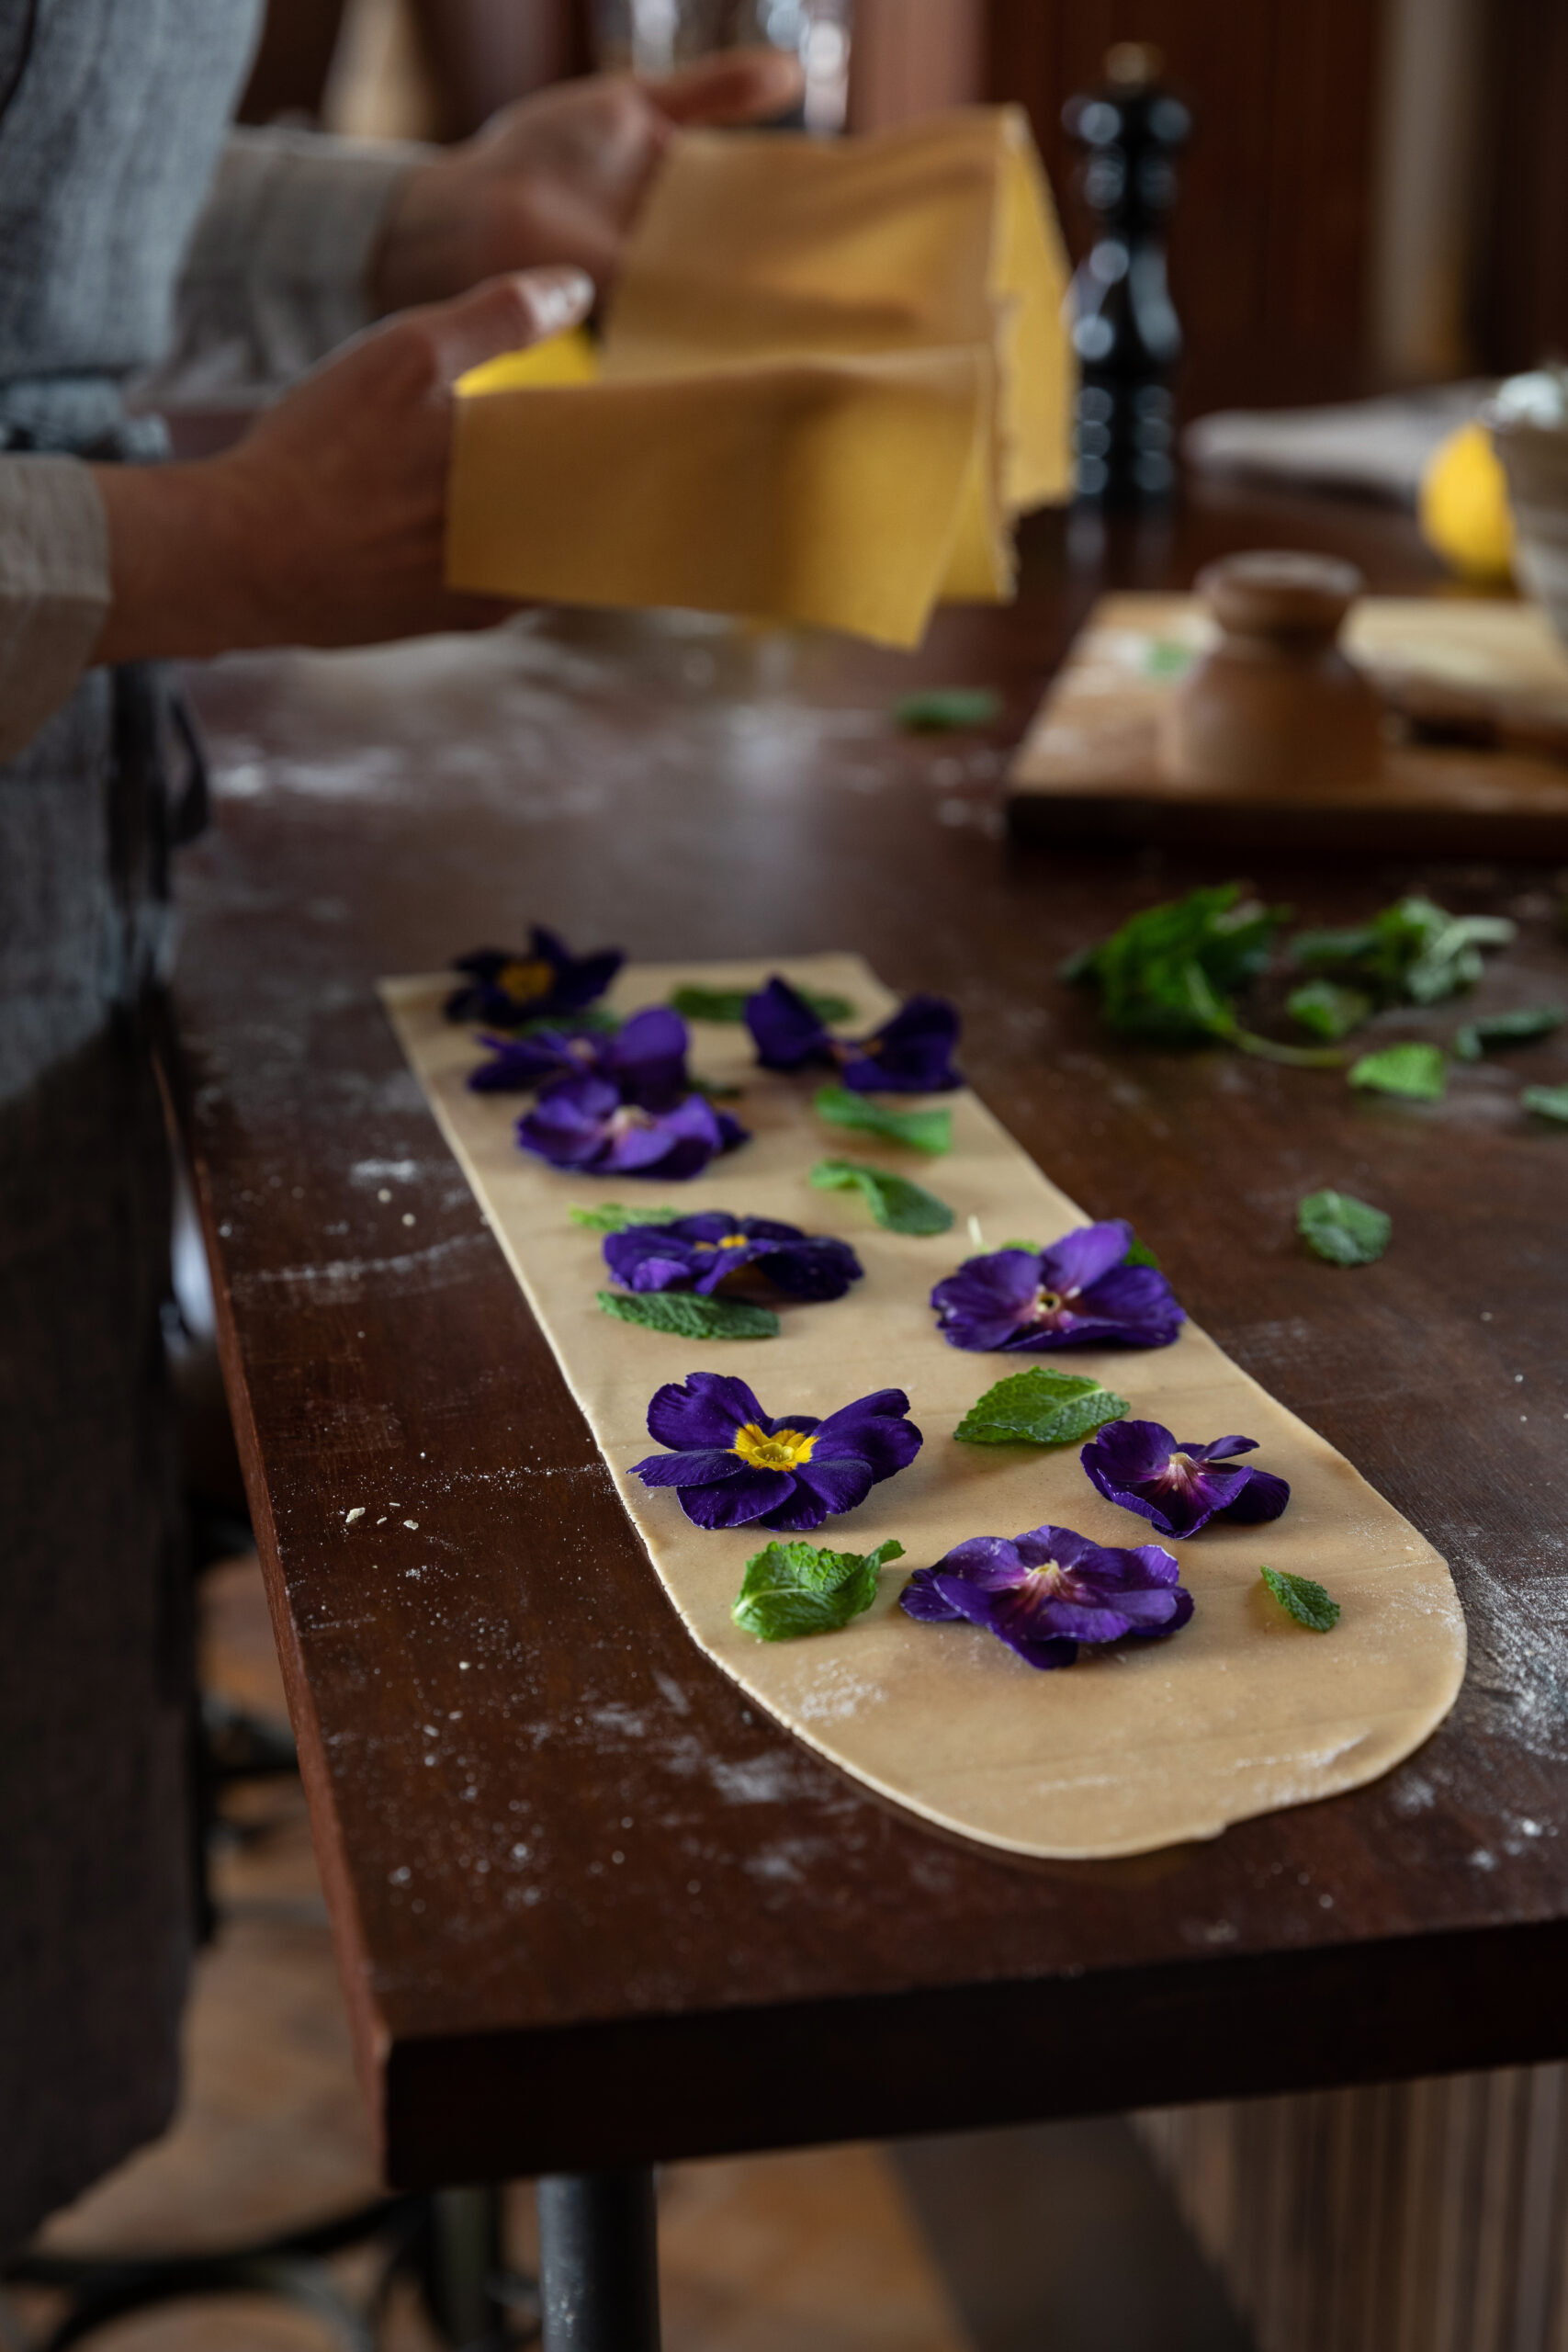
(567,358)
(1463,506)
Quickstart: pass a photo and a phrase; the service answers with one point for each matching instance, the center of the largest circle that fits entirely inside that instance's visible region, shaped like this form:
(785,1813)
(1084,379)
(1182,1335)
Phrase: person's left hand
(560,178)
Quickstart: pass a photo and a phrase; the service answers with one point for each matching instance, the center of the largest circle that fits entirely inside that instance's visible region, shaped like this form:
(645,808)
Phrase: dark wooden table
(591,1907)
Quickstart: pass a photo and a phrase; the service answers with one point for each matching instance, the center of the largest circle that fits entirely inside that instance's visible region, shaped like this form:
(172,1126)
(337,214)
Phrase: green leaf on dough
(687,1317)
(1041,1408)
(894,1201)
(1306,1602)
(795,1589)
(924,1130)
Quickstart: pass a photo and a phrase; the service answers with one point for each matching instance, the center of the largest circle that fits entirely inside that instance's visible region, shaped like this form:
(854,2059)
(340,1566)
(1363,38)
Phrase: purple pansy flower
(1180,1487)
(1046,1590)
(911,1054)
(697,1252)
(646,1058)
(1078,1293)
(584,1122)
(506,989)
(732,1465)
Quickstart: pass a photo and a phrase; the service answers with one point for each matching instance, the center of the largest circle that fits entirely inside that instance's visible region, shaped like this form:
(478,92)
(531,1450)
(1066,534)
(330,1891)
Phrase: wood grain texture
(1270,239)
(777,1958)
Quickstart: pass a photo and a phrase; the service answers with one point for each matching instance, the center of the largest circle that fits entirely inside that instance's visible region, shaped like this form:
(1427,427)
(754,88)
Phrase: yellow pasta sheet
(833,372)
(1151,1742)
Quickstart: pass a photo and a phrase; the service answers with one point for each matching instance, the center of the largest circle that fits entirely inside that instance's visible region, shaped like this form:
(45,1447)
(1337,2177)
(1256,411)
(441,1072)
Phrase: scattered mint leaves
(1169,975)
(924,1130)
(1328,1010)
(1343,1230)
(1412,953)
(1041,1408)
(894,1201)
(730,1004)
(686,1317)
(945,710)
(612,1217)
(795,1589)
(1516,1028)
(1546,1102)
(1418,1073)
(1306,1601)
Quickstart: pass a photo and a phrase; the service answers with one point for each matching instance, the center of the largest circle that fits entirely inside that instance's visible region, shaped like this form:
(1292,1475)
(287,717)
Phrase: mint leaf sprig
(923,1130)
(613,1217)
(795,1589)
(1302,1599)
(1516,1028)
(897,1203)
(1342,1229)
(1041,1408)
(1418,1073)
(686,1314)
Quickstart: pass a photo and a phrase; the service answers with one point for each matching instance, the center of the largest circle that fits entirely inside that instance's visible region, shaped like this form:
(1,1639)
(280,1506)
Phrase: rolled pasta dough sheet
(1144,1744)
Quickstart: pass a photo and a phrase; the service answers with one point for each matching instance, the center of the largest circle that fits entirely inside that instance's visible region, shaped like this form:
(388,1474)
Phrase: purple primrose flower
(697,1252)
(732,1465)
(505,989)
(910,1054)
(1046,1590)
(1179,1489)
(646,1058)
(1077,1294)
(584,1122)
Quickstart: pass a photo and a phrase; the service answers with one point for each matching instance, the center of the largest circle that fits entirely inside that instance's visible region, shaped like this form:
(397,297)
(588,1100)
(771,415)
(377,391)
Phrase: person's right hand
(325,525)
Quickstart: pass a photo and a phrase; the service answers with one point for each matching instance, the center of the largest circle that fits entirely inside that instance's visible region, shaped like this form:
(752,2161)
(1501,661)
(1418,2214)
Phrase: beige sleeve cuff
(278,273)
(54,587)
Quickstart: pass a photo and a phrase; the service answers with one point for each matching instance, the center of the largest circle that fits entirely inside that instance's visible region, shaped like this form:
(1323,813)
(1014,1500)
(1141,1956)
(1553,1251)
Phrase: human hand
(325,525)
(560,178)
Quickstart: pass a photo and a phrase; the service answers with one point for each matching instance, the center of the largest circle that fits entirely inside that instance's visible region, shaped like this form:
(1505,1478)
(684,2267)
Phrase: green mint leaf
(730,1004)
(1041,1408)
(1034,1247)
(1343,1230)
(1328,1010)
(1306,1602)
(1168,976)
(1139,1254)
(1412,953)
(1418,1073)
(612,1217)
(1515,1028)
(925,1130)
(1167,657)
(943,710)
(686,1317)
(1546,1102)
(894,1201)
(795,1589)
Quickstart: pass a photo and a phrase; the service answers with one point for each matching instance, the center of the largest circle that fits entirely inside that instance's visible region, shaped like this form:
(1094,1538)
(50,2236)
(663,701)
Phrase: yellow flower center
(730,1241)
(786,1450)
(524,982)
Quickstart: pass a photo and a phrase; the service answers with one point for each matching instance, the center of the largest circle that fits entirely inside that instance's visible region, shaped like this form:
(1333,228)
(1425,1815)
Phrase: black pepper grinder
(1124,329)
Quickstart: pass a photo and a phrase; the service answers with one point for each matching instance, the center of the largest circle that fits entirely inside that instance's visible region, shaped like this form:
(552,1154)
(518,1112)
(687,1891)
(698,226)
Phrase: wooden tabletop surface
(589,1905)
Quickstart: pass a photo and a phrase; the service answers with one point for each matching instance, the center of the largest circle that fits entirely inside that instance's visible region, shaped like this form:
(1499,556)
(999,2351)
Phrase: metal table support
(599,2262)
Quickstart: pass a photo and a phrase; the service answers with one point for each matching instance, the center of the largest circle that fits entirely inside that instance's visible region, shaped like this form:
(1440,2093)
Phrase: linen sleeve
(278,271)
(54,587)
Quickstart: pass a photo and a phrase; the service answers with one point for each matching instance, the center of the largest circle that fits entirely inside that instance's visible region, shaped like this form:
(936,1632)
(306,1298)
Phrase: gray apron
(111,115)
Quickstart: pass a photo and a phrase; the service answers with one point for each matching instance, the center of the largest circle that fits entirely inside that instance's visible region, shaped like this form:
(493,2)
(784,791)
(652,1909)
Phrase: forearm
(181,564)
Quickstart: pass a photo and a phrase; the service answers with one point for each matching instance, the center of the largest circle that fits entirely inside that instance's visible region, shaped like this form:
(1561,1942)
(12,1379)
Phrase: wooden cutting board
(1088,769)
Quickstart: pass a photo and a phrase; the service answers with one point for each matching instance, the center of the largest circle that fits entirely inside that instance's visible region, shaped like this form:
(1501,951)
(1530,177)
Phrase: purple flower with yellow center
(699,1252)
(733,1466)
(1180,1487)
(1078,1293)
(585,1123)
(1046,1590)
(646,1058)
(505,989)
(910,1054)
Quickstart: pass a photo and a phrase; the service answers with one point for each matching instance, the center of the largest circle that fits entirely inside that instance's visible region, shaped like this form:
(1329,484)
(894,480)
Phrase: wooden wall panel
(1519,269)
(1271,243)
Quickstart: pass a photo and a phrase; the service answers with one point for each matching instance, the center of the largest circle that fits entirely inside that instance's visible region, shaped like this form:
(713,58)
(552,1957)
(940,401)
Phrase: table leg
(599,2262)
